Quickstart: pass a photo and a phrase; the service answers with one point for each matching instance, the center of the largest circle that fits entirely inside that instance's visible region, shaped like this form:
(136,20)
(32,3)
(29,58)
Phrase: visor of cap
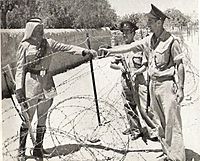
(126,26)
(156,13)
(36,19)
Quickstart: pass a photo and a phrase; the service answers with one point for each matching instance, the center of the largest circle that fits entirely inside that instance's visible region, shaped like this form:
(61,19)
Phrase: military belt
(162,79)
(37,71)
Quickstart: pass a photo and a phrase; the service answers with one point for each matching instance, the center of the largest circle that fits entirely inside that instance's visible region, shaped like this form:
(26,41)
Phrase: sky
(123,7)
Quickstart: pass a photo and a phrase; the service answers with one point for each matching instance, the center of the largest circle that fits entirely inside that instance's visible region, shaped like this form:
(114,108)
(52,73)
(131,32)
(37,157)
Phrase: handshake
(90,52)
(102,52)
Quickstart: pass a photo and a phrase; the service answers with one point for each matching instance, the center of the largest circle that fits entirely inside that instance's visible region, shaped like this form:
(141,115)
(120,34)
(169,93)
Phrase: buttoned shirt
(160,55)
(27,61)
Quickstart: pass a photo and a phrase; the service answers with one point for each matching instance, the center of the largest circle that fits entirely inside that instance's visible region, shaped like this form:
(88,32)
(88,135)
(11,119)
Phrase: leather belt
(162,79)
(37,71)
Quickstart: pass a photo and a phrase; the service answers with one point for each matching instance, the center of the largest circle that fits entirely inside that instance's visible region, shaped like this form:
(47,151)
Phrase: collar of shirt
(163,37)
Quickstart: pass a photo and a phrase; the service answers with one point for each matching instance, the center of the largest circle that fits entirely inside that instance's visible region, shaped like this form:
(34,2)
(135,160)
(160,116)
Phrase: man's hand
(133,74)
(103,52)
(122,69)
(118,67)
(20,96)
(91,52)
(179,95)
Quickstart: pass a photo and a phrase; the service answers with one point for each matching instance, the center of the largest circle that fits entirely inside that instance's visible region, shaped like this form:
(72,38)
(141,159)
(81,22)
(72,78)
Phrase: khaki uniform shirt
(134,62)
(26,54)
(160,56)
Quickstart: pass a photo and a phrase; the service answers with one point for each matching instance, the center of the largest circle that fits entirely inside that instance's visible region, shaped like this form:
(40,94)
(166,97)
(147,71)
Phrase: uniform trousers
(167,117)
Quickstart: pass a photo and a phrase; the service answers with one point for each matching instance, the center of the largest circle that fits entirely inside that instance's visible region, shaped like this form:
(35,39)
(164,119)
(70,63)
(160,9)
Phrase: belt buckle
(43,72)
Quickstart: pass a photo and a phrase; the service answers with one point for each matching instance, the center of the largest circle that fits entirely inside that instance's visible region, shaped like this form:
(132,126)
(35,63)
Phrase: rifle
(142,116)
(130,84)
(23,105)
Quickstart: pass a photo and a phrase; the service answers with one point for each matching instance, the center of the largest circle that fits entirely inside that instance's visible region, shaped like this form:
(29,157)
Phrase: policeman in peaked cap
(155,13)
(127,25)
(138,98)
(128,29)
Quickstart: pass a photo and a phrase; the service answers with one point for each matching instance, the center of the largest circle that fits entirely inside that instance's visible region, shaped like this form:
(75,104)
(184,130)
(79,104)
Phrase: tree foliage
(138,18)
(177,18)
(62,13)
(93,14)
(55,14)
(75,14)
(14,13)
(5,7)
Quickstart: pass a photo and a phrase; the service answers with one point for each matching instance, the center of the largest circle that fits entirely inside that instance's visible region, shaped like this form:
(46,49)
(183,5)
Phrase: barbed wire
(78,97)
(83,42)
(58,108)
(38,59)
(41,94)
(67,80)
(108,114)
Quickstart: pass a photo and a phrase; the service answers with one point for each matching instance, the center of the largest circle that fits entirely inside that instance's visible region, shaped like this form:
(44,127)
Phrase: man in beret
(136,97)
(163,57)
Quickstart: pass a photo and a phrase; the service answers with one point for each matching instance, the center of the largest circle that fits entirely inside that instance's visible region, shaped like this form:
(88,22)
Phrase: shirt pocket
(161,58)
(31,57)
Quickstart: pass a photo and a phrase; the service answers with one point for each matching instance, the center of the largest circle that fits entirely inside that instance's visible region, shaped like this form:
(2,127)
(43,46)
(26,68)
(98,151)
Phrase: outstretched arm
(134,46)
(72,49)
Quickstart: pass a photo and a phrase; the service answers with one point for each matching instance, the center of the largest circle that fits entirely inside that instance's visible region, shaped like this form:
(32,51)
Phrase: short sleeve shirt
(162,57)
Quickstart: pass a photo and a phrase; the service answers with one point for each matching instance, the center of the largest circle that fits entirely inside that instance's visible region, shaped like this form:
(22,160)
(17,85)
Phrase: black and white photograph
(100,80)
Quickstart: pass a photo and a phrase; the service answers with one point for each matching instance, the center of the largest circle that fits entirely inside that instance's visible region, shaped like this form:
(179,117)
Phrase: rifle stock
(17,106)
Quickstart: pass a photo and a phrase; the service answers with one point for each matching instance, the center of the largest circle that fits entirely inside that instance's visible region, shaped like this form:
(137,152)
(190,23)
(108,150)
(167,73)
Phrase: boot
(22,143)
(38,149)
